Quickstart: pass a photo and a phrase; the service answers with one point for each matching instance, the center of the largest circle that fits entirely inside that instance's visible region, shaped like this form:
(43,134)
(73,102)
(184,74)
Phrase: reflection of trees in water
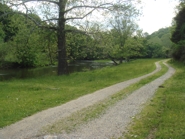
(51,70)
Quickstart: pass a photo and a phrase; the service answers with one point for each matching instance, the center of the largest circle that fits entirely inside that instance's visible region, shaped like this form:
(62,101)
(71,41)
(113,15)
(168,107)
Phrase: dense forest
(25,43)
(178,33)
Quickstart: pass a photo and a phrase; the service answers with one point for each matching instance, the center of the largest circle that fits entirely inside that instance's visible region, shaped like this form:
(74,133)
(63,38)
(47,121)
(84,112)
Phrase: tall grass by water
(163,117)
(22,98)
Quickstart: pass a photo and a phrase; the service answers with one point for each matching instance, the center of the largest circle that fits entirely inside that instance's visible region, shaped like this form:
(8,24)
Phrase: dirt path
(114,122)
(29,127)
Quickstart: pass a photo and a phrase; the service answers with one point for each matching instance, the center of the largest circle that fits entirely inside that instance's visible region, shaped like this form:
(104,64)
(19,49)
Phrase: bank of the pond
(163,117)
(77,66)
(22,98)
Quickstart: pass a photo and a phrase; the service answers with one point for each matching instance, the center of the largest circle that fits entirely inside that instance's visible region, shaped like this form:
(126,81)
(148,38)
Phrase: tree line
(26,40)
(178,33)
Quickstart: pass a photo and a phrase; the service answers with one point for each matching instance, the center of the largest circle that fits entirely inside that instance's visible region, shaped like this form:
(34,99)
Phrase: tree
(179,32)
(77,45)
(48,47)
(123,27)
(154,50)
(159,44)
(68,11)
(2,34)
(22,41)
(178,35)
(134,48)
(9,31)
(24,47)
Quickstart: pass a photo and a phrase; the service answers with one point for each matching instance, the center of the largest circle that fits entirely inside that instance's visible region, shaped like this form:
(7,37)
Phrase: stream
(78,66)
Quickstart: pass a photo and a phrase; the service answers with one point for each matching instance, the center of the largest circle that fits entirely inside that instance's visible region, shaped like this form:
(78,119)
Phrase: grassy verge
(22,98)
(72,122)
(163,117)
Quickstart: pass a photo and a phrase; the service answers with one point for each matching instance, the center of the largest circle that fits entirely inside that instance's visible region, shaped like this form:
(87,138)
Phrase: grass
(72,122)
(22,98)
(163,117)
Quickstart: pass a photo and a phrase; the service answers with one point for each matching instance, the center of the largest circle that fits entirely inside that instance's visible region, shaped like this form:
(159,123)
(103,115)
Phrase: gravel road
(114,122)
(111,124)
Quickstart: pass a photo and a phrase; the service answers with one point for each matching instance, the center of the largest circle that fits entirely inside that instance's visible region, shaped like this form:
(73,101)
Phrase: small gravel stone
(50,137)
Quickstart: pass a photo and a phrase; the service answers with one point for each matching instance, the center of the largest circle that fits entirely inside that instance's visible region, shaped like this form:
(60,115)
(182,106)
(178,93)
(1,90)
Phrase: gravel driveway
(111,124)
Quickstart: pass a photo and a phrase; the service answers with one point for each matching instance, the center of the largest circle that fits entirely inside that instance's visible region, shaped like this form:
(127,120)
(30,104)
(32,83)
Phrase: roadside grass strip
(71,123)
(163,116)
(23,98)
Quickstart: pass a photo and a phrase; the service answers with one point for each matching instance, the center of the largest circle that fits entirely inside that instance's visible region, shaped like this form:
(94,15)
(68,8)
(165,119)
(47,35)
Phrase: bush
(179,51)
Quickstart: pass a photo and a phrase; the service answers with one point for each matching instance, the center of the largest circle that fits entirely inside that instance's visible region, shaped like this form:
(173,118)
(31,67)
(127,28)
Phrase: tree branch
(50,19)
(50,1)
(80,17)
(87,6)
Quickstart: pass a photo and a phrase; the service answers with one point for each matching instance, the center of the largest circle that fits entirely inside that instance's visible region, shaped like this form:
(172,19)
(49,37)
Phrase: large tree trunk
(62,56)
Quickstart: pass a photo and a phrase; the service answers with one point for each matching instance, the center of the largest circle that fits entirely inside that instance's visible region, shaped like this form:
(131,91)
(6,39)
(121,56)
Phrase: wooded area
(178,33)
(28,40)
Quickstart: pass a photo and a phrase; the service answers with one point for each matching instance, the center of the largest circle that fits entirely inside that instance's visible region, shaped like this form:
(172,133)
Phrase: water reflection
(51,70)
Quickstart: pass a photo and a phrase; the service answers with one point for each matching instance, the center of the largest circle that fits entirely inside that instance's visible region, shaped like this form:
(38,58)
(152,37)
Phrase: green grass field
(22,98)
(164,116)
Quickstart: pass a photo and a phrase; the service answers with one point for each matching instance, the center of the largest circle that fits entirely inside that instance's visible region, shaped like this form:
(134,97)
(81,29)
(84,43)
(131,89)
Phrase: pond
(77,66)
